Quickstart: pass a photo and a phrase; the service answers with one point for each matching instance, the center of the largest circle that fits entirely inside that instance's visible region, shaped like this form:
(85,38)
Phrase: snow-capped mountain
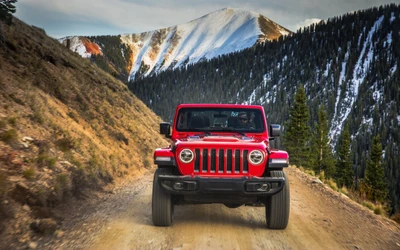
(218,33)
(349,63)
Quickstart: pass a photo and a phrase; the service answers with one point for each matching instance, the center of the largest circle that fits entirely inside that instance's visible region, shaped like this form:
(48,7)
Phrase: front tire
(277,207)
(162,206)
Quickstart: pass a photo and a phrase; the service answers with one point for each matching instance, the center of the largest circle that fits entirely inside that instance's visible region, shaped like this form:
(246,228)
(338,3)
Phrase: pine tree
(7,8)
(297,130)
(322,158)
(374,174)
(344,166)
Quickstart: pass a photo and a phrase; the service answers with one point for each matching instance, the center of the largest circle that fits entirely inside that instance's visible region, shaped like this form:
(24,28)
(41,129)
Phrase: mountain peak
(220,32)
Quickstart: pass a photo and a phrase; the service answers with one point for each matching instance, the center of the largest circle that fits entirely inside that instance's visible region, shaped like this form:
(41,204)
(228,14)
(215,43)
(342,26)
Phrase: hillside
(129,56)
(350,63)
(67,129)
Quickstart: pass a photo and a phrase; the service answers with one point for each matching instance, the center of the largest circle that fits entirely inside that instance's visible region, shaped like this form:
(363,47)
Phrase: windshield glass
(220,120)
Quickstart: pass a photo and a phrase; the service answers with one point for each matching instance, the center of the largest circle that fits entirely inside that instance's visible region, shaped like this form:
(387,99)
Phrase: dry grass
(377,208)
(88,130)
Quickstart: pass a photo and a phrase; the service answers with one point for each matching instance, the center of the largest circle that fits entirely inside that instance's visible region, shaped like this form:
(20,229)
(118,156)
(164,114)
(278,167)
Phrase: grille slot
(245,161)
(205,161)
(213,161)
(197,161)
(237,161)
(221,161)
(229,161)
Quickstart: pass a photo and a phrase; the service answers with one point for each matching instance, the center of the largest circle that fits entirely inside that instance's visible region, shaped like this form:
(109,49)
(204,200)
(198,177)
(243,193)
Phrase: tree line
(326,59)
(311,149)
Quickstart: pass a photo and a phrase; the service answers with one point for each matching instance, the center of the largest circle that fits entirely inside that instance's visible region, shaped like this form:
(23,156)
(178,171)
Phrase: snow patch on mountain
(76,45)
(344,104)
(218,33)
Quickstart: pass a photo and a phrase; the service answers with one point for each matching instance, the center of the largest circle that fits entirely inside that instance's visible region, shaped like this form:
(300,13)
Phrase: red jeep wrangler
(220,153)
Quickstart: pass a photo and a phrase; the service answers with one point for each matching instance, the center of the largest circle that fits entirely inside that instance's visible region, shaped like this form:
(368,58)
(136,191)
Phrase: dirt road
(319,219)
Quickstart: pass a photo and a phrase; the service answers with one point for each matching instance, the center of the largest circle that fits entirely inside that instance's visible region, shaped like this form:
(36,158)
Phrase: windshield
(220,120)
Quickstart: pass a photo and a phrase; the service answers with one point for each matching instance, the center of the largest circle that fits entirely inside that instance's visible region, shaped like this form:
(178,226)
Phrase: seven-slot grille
(221,161)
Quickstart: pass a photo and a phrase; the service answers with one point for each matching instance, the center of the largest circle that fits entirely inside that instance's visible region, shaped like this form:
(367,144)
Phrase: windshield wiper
(233,130)
(199,130)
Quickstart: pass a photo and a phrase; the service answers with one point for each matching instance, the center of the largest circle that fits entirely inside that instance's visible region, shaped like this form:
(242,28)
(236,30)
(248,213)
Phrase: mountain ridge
(217,33)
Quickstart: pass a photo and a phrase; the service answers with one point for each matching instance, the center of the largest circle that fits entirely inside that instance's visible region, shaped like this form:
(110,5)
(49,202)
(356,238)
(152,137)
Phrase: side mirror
(274,130)
(165,129)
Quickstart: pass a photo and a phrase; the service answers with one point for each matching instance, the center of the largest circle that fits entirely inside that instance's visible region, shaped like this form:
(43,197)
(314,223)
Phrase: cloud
(305,23)
(91,17)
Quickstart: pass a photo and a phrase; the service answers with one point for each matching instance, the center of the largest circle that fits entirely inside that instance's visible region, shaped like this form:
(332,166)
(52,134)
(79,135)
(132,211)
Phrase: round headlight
(186,155)
(256,157)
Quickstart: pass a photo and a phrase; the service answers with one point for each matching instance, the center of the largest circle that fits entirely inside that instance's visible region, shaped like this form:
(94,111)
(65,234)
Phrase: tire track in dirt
(320,219)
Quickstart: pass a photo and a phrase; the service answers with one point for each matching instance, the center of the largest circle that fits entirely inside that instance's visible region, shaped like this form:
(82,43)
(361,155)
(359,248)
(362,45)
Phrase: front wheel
(162,206)
(277,207)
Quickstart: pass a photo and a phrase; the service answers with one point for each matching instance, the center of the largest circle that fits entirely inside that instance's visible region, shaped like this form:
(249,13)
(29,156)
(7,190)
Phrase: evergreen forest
(349,64)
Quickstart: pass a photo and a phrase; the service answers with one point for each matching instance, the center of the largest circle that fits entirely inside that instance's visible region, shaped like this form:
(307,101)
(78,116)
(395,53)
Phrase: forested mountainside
(221,32)
(349,63)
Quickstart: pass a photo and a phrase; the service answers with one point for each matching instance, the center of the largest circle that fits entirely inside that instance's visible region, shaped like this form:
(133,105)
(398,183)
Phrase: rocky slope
(66,129)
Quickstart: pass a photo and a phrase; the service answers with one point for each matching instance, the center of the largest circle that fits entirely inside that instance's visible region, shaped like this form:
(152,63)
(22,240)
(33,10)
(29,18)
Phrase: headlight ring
(256,157)
(186,155)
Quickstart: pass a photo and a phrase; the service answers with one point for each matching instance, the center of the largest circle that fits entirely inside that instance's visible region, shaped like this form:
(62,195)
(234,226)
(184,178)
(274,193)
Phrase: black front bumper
(255,186)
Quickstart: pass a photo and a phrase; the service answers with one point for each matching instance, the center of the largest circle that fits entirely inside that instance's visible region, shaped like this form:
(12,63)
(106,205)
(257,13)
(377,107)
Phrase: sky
(60,18)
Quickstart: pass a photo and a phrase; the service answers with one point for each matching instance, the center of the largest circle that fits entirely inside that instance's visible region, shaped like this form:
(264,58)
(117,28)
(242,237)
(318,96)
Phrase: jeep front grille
(221,161)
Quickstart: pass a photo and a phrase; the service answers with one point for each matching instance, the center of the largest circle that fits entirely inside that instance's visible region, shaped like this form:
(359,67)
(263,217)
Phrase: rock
(27,138)
(67,163)
(21,192)
(35,225)
(26,208)
(33,245)
(42,212)
(316,181)
(47,226)
(59,233)
(25,145)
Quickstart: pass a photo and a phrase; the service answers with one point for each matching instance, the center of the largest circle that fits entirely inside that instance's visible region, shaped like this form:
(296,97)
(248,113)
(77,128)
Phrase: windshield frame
(222,114)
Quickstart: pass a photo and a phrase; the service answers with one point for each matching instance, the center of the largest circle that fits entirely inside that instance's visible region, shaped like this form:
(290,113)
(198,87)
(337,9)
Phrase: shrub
(310,172)
(120,137)
(332,184)
(71,158)
(322,176)
(61,186)
(29,173)
(9,136)
(3,124)
(44,160)
(378,210)
(73,116)
(37,117)
(65,144)
(368,205)
(12,121)
(17,100)
(344,190)
(147,164)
